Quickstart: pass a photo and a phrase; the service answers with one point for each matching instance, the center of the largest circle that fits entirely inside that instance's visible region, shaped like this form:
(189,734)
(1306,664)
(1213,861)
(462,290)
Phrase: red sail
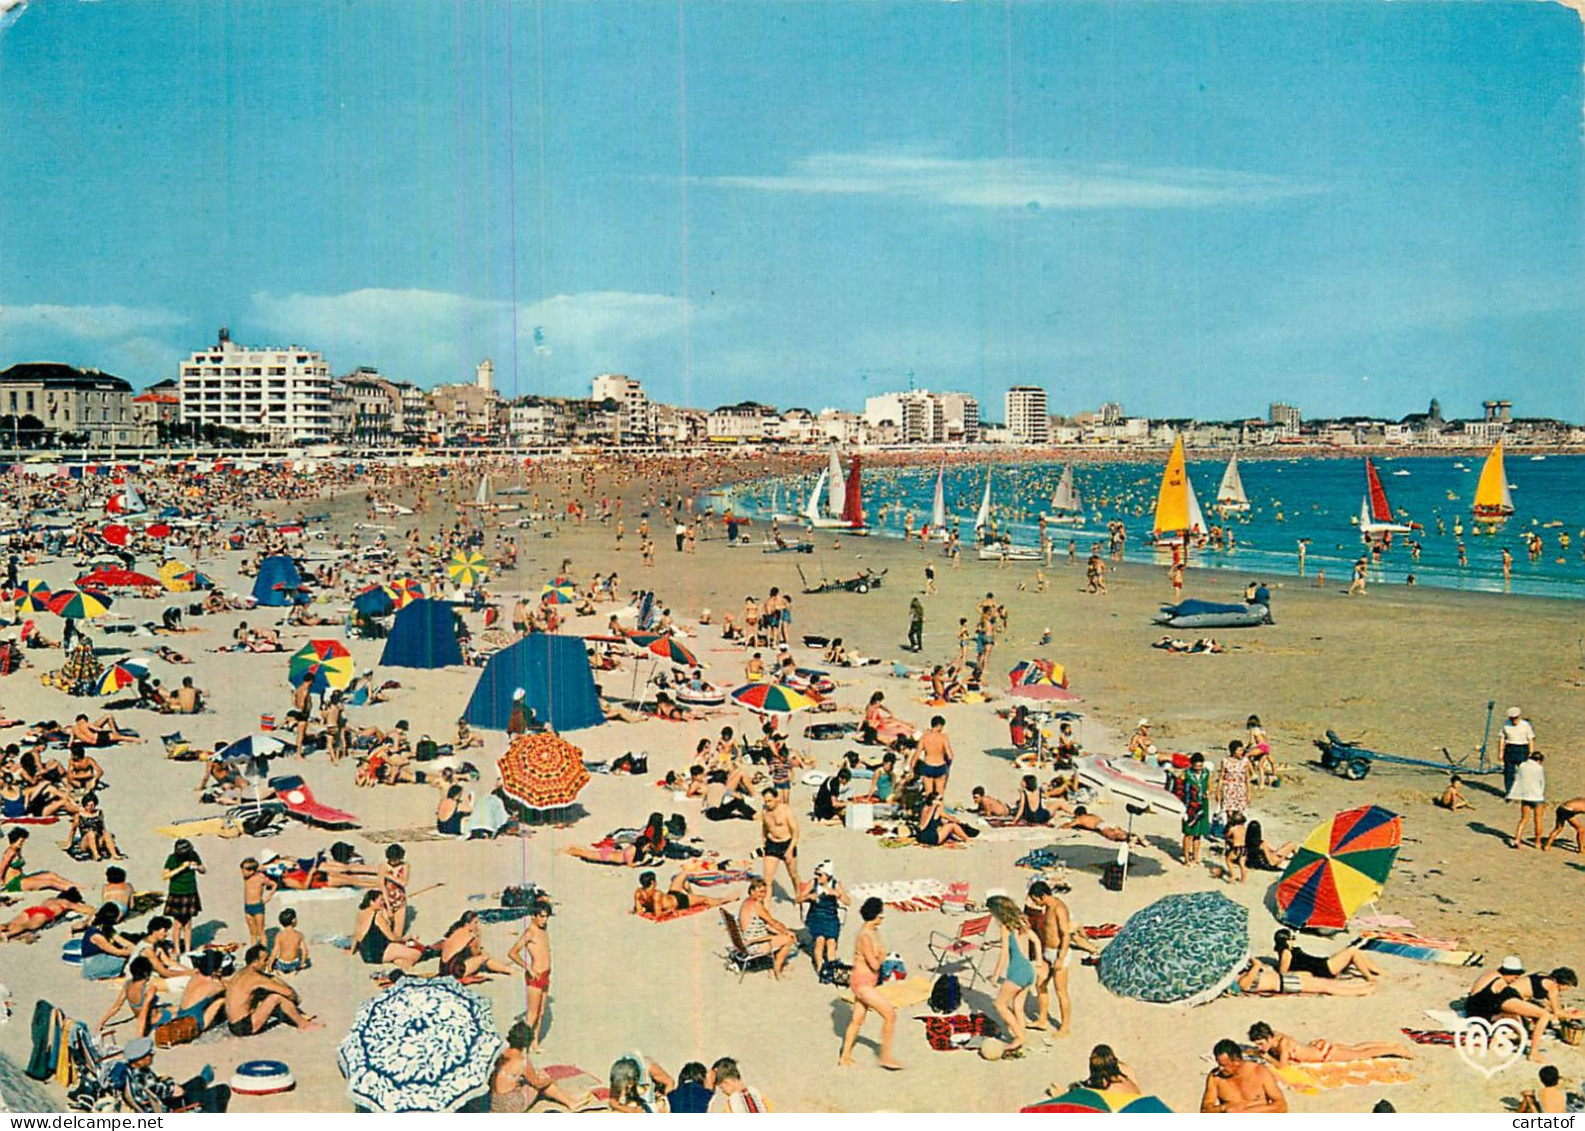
(853,503)
(1379,510)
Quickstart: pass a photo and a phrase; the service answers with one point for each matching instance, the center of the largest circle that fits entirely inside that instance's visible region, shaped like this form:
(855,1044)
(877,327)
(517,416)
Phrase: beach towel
(1381,921)
(1308,1079)
(407,835)
(904,994)
(1410,938)
(723,875)
(1430,1036)
(958,1031)
(1424,953)
(672,915)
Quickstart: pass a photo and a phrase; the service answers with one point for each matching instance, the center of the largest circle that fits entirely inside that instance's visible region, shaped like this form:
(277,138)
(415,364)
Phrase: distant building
(638,414)
(748,422)
(158,409)
(1111,414)
(1027,419)
(44,399)
(284,392)
(463,413)
(1498,412)
(1287,417)
(961,413)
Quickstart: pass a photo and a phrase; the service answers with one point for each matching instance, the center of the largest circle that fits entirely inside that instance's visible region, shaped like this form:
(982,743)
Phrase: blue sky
(1192,208)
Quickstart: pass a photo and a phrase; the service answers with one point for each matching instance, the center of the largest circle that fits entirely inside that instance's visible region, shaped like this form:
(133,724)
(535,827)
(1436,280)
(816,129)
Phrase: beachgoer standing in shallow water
(864,981)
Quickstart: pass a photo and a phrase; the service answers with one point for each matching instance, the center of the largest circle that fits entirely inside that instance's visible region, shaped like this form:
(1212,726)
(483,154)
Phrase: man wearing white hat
(1518,737)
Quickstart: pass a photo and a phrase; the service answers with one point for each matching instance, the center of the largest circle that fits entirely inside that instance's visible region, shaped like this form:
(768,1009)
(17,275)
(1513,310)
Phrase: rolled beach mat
(262,1078)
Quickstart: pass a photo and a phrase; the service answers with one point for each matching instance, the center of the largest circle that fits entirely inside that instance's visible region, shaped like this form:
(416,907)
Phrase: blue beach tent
(554,673)
(424,636)
(278,582)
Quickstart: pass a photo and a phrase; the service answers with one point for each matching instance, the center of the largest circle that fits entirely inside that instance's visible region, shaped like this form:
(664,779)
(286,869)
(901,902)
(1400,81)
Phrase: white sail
(938,509)
(834,492)
(482,496)
(1230,495)
(983,518)
(130,501)
(1066,498)
(1196,515)
(812,510)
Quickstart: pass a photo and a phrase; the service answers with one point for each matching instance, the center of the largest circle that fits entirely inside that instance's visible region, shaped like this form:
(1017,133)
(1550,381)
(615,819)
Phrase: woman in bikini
(1284,1050)
(14,875)
(1258,977)
(864,982)
(34,919)
(1016,971)
(887,728)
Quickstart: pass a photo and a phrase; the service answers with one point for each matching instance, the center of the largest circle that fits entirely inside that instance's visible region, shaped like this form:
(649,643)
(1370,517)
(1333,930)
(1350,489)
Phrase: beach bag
(946,995)
(177,1031)
(836,973)
(426,750)
(1112,877)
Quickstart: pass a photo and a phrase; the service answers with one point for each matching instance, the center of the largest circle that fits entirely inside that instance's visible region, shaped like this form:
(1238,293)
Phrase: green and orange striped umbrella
(1339,868)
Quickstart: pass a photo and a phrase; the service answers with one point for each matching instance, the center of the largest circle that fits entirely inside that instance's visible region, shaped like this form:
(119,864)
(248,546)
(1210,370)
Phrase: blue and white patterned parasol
(1183,949)
(425,1044)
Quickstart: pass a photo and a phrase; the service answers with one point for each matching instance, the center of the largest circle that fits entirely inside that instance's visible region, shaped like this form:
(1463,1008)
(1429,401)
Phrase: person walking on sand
(1357,585)
(1529,790)
(781,840)
(864,981)
(1518,736)
(1016,972)
(532,953)
(916,625)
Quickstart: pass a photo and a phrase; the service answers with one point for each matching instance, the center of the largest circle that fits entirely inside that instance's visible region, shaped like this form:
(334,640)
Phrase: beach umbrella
(1339,868)
(80,604)
(1034,672)
(252,747)
(405,590)
(773,699)
(117,677)
(33,596)
(467,568)
(1182,949)
(559,592)
(324,664)
(375,601)
(1092,1101)
(674,650)
(424,1044)
(542,771)
(158,530)
(116,578)
(177,576)
(116,534)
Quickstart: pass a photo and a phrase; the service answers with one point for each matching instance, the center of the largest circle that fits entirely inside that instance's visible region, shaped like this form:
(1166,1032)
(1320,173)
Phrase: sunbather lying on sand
(1259,977)
(1089,822)
(1284,1050)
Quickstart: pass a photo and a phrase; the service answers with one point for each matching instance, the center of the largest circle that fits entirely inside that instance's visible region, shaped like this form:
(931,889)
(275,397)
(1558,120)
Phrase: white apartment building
(962,417)
(539,423)
(284,392)
(923,417)
(747,422)
(1026,415)
(637,414)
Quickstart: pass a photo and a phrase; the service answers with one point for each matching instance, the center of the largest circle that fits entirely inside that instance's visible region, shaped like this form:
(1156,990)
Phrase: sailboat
(813,514)
(938,505)
(1230,497)
(853,500)
(481,499)
(834,500)
(1375,514)
(1493,501)
(993,547)
(851,508)
(1066,506)
(1178,514)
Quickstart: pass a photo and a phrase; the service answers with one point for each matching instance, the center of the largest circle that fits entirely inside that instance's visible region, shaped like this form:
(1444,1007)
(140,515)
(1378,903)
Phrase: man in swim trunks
(532,953)
(1570,814)
(1048,915)
(1283,1050)
(253,998)
(781,840)
(932,760)
(1239,1085)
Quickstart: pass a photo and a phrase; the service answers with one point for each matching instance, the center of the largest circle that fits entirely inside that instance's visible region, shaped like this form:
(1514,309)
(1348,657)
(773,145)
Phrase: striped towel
(1424,953)
(1430,1036)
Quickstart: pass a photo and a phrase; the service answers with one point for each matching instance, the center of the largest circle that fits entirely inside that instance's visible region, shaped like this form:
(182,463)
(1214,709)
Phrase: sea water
(1313,498)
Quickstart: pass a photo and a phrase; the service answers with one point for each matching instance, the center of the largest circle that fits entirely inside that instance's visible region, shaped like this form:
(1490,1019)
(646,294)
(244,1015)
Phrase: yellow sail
(1492,499)
(1172,502)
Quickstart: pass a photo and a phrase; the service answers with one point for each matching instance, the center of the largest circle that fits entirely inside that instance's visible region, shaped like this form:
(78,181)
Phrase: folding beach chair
(741,956)
(964,949)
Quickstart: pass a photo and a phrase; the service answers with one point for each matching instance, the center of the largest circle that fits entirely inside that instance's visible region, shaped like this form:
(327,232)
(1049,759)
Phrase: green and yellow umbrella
(773,699)
(323,664)
(1339,868)
(559,592)
(467,568)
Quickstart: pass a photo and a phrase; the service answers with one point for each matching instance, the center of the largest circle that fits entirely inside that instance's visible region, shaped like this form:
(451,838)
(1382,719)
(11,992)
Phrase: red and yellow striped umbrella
(404,591)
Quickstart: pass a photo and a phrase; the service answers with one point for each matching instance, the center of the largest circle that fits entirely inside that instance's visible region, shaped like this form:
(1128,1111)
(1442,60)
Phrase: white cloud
(1029,184)
(437,336)
(85,322)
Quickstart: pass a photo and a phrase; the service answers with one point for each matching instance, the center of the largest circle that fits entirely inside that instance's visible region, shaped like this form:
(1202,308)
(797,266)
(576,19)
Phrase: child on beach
(1233,847)
(289,951)
(1452,798)
(256,891)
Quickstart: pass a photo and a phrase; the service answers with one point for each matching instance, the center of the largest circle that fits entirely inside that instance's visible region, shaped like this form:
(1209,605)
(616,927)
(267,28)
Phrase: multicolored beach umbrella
(1090,1101)
(1039,679)
(33,596)
(80,604)
(468,568)
(674,650)
(375,601)
(772,699)
(1339,868)
(121,675)
(325,664)
(559,592)
(404,591)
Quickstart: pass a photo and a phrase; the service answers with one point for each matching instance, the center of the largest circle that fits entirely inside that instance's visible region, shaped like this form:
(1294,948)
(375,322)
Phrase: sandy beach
(1403,670)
